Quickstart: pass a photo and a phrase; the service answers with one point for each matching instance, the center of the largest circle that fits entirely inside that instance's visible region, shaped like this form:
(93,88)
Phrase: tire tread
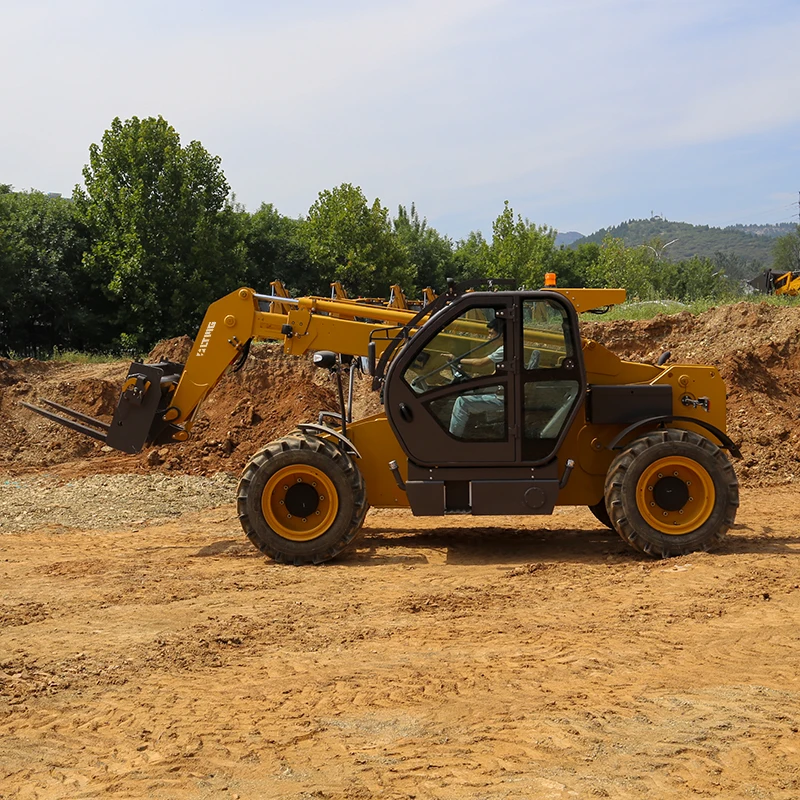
(660,545)
(312,553)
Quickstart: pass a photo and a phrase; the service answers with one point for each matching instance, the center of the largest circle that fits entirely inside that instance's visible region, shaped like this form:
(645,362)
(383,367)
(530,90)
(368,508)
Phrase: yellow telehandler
(788,284)
(492,404)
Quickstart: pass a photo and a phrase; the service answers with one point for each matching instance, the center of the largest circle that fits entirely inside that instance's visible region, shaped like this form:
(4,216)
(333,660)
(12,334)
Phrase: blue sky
(580,113)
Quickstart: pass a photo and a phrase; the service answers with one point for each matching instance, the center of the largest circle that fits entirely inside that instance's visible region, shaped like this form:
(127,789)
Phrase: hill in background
(747,243)
(567,238)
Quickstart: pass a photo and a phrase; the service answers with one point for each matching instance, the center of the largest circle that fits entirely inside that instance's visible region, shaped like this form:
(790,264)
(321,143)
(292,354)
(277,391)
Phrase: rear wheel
(672,492)
(301,500)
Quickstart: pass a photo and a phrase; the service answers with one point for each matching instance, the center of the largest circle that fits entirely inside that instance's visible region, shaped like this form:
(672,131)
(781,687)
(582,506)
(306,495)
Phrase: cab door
(551,381)
(494,378)
(450,392)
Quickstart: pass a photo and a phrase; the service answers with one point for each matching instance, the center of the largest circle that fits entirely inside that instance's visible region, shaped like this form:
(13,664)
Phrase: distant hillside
(773,231)
(567,238)
(747,243)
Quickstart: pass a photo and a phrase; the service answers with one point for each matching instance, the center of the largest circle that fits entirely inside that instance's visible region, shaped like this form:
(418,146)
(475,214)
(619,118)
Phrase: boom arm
(158,402)
(310,324)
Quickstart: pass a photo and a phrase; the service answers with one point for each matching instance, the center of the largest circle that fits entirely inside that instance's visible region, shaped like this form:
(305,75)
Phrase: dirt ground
(147,650)
(172,660)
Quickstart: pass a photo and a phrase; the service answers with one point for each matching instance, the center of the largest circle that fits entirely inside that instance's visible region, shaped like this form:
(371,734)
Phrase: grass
(68,356)
(76,357)
(647,309)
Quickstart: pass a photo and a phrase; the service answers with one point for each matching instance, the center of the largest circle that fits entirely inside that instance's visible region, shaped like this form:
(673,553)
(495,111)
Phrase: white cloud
(457,102)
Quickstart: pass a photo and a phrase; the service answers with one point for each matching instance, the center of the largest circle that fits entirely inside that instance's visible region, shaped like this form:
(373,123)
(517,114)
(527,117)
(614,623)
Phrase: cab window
(551,380)
(467,347)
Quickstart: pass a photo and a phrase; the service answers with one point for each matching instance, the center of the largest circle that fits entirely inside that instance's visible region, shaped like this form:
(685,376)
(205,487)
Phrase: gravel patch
(108,501)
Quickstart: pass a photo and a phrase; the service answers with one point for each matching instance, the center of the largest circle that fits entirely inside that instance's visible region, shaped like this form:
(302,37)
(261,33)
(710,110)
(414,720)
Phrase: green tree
(42,292)
(277,250)
(429,253)
(352,241)
(622,267)
(691,279)
(471,258)
(520,250)
(735,267)
(786,252)
(165,241)
(574,266)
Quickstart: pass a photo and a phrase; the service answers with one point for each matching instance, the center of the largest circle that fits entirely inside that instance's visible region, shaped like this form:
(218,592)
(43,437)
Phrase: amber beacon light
(549,280)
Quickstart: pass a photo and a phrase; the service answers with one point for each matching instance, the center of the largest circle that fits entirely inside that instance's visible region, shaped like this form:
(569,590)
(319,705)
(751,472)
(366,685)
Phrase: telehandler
(788,284)
(492,404)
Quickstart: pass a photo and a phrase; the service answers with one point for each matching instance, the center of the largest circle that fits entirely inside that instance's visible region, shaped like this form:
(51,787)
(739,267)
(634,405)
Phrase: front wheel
(672,492)
(301,500)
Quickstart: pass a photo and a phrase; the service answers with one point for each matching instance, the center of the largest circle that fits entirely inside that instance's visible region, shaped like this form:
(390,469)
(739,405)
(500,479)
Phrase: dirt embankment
(756,347)
(247,409)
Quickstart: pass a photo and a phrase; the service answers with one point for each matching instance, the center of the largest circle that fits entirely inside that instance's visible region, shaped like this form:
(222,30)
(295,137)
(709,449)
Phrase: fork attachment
(98,431)
(139,417)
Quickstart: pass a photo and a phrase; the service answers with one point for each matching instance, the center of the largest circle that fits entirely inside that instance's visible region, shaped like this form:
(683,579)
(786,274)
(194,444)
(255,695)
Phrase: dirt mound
(27,440)
(176,350)
(756,347)
(266,399)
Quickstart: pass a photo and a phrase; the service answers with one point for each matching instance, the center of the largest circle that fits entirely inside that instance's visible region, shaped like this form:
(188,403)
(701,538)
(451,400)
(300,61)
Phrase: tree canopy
(41,284)
(155,235)
(520,250)
(786,252)
(351,240)
(163,239)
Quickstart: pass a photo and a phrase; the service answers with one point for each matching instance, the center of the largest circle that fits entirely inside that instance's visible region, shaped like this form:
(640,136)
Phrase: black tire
(672,492)
(601,513)
(311,477)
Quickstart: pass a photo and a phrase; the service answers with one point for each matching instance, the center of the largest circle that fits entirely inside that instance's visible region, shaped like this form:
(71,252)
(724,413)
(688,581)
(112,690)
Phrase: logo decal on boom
(201,351)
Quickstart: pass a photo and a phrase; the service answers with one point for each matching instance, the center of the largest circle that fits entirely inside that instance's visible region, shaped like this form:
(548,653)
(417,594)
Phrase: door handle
(405,412)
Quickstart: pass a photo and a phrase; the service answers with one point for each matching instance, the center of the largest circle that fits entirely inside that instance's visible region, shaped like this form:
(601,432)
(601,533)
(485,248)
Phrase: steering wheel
(459,375)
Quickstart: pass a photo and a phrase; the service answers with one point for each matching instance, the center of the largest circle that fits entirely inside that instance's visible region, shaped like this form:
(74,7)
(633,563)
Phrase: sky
(580,113)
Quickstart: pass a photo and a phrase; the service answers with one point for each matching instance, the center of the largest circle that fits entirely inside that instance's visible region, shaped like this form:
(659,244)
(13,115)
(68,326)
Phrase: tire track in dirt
(430,662)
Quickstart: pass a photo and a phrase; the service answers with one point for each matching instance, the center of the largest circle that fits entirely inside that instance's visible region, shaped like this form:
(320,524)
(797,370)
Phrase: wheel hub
(302,499)
(299,502)
(675,495)
(670,493)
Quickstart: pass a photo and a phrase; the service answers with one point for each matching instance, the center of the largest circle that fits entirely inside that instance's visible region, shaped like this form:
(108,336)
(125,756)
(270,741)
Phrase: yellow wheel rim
(299,502)
(675,495)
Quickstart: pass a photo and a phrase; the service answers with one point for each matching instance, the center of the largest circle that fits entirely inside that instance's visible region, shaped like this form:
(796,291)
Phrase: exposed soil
(436,659)
(266,399)
(147,650)
(756,348)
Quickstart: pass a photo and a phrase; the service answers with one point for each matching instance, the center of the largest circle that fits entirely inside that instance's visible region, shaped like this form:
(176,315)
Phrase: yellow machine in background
(776,282)
(788,284)
(493,404)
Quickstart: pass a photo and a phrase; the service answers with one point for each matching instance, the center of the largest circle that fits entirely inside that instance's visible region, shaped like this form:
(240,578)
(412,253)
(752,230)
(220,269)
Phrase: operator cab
(494,379)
